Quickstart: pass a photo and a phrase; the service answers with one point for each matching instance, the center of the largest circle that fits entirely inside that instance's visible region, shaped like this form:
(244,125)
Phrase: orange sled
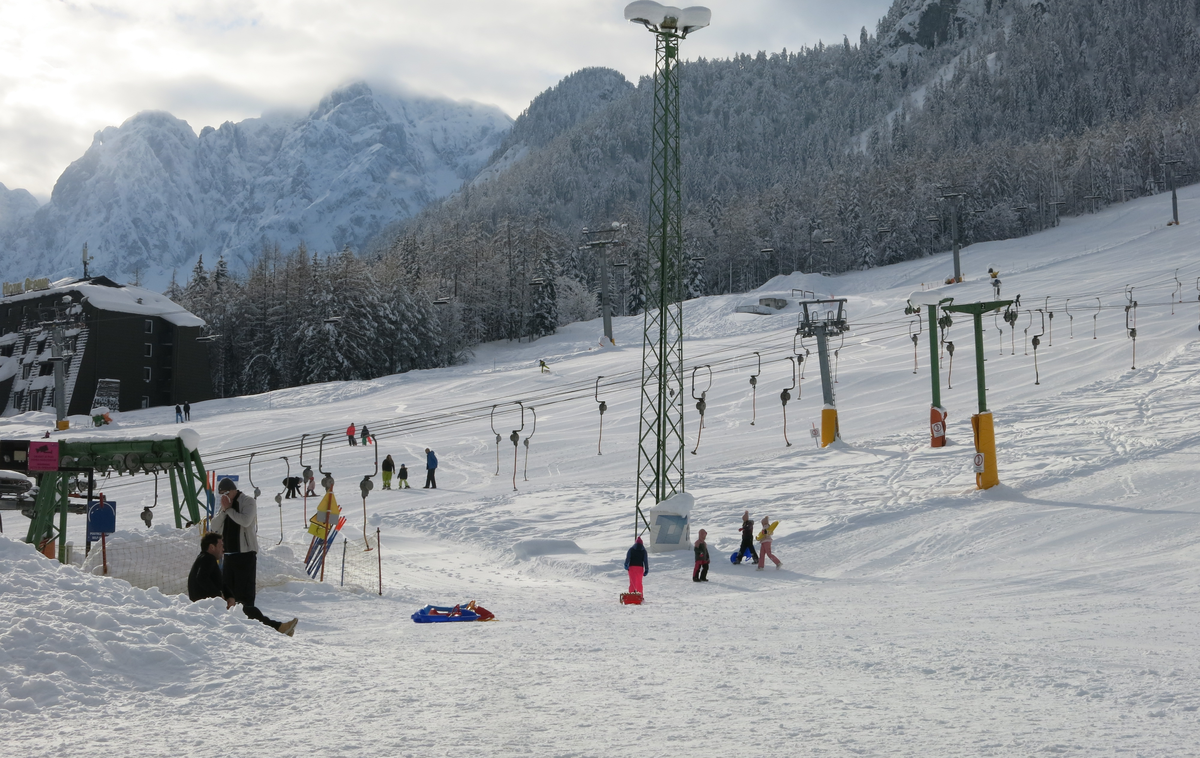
(631,598)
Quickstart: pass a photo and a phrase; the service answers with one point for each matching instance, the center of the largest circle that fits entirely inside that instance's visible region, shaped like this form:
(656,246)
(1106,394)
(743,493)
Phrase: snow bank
(526,549)
(71,639)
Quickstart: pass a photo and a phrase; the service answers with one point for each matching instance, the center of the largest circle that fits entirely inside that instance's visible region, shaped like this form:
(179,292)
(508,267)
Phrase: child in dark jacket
(402,475)
(747,546)
(700,572)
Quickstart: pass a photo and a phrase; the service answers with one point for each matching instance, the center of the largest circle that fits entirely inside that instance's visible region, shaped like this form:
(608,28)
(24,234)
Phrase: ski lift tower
(660,435)
(822,319)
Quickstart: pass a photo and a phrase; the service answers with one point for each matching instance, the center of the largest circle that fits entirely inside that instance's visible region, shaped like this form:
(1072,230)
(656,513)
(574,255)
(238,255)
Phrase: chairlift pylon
(701,401)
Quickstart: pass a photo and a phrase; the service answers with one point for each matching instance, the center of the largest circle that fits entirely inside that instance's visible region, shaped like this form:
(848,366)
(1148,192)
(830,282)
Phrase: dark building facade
(124,348)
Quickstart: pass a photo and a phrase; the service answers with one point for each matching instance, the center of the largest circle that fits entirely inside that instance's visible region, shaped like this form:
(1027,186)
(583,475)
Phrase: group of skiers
(637,561)
(389,465)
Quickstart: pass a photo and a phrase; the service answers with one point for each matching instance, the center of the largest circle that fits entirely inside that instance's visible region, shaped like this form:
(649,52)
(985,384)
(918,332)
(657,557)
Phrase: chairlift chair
(492,420)
(785,396)
(365,486)
(914,338)
(515,438)
(526,441)
(1037,340)
(754,382)
(603,406)
(701,401)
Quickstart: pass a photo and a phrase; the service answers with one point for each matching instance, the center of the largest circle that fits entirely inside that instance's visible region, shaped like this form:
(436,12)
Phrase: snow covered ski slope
(1058,613)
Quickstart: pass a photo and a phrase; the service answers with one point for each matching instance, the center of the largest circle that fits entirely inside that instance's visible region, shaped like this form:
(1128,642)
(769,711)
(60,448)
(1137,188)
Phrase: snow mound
(526,549)
(71,639)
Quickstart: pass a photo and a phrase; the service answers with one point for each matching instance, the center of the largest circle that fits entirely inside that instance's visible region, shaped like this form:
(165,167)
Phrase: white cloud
(69,67)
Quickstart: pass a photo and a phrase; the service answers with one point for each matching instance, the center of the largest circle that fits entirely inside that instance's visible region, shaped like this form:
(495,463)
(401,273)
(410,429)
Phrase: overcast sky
(71,67)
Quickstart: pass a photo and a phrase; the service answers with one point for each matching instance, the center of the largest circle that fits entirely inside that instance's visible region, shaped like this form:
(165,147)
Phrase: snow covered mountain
(151,195)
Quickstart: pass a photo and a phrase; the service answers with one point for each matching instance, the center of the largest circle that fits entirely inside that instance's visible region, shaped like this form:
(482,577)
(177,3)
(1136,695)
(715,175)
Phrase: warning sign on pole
(979,463)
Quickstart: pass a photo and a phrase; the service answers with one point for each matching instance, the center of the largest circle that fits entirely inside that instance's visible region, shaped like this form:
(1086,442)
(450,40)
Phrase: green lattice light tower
(660,436)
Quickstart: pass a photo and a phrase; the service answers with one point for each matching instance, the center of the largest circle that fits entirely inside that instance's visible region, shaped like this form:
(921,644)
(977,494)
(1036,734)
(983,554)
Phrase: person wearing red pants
(764,546)
(700,572)
(637,563)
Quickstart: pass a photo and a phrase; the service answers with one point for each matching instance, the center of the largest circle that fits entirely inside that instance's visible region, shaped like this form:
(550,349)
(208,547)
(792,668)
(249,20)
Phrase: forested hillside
(827,158)
(812,152)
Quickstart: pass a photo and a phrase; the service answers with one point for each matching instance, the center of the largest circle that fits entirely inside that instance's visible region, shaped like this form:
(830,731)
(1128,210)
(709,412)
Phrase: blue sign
(101,519)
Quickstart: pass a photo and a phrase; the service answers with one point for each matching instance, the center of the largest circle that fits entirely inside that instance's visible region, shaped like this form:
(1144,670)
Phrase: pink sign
(43,456)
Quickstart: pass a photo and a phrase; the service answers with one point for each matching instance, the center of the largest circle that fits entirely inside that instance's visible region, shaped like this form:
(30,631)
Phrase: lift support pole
(987,473)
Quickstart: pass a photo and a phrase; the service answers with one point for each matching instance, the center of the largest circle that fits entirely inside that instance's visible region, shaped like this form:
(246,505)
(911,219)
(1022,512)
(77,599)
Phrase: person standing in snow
(292,483)
(350,435)
(389,467)
(237,523)
(764,547)
(402,478)
(187,411)
(700,572)
(366,435)
(178,415)
(637,563)
(430,469)
(747,547)
(204,580)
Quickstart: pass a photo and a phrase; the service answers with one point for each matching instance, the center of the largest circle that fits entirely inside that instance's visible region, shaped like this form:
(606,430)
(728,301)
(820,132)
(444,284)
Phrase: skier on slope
(350,434)
(430,469)
(637,563)
(700,572)
(747,546)
(389,467)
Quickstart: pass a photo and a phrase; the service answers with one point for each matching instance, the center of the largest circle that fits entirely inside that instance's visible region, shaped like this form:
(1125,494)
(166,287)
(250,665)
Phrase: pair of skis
(317,550)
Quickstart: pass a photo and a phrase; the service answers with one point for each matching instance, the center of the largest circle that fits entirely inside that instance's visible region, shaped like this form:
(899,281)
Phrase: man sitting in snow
(204,580)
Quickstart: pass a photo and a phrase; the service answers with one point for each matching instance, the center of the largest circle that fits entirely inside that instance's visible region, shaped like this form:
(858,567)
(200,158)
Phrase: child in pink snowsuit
(637,563)
(764,548)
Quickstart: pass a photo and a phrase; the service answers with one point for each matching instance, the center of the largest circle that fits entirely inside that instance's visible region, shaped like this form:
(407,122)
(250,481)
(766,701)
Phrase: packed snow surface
(914,615)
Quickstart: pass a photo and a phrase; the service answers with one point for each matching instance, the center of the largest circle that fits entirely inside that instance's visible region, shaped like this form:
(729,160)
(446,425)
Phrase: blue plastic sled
(740,553)
(437,614)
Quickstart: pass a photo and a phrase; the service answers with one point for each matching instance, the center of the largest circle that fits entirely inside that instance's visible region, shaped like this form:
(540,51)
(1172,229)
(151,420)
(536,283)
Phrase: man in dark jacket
(430,468)
(637,563)
(293,486)
(700,572)
(204,580)
(187,411)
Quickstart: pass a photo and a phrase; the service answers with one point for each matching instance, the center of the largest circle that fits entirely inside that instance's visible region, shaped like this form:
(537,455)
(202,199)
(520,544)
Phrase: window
(149,326)
(7,351)
(26,370)
(146,376)
(145,400)
(46,369)
(41,345)
(149,351)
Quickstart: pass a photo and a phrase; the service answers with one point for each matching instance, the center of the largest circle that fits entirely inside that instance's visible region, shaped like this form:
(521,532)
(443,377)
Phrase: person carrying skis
(366,435)
(389,466)
(700,572)
(747,547)
(350,434)
(402,478)
(764,547)
(430,469)
(637,563)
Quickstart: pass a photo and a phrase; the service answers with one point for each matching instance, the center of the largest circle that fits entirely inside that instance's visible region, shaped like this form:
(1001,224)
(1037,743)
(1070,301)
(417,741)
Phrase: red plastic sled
(631,598)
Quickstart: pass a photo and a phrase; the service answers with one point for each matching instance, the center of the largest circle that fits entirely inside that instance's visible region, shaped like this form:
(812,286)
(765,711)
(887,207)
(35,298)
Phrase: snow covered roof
(106,295)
